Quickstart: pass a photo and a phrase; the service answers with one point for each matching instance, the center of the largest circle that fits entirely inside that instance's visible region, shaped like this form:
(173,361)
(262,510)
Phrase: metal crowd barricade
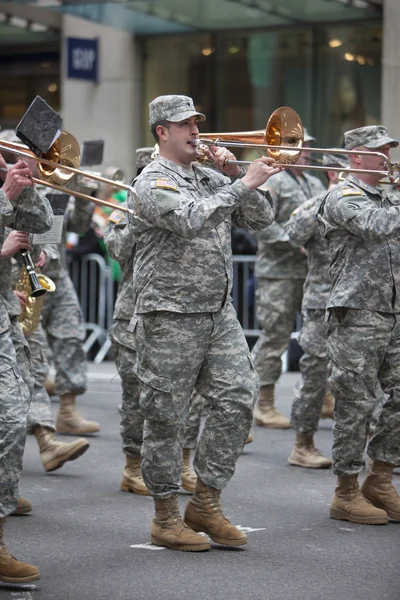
(94,284)
(243,293)
(93,280)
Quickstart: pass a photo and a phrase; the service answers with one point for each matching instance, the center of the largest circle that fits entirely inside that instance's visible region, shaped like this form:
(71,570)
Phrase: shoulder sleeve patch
(352,207)
(166,184)
(351,192)
(116,217)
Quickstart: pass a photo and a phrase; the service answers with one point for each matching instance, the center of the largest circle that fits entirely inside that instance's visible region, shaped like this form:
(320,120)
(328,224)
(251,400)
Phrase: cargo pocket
(155,396)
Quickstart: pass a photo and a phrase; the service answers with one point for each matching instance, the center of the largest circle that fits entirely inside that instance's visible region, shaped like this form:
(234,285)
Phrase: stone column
(391,70)
(106,109)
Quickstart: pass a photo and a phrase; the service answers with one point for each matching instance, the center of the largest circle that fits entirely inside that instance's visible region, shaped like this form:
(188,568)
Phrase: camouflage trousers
(310,391)
(132,418)
(40,409)
(175,353)
(277,302)
(363,348)
(63,322)
(15,392)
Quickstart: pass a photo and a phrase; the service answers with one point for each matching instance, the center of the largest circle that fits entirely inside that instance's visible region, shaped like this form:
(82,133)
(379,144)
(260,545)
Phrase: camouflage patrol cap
(308,137)
(335,160)
(143,157)
(373,136)
(172,108)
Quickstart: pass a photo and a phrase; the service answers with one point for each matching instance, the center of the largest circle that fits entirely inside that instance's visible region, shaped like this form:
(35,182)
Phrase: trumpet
(283,138)
(60,164)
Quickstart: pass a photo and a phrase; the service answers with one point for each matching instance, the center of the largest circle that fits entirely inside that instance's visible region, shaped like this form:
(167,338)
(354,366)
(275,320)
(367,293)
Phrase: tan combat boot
(24,506)
(70,421)
(11,569)
(305,454)
(349,504)
(54,453)
(170,531)
(249,439)
(265,413)
(132,479)
(204,513)
(327,407)
(188,476)
(380,491)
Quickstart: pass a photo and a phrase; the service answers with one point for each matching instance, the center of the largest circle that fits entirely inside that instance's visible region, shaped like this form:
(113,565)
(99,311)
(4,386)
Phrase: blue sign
(82,59)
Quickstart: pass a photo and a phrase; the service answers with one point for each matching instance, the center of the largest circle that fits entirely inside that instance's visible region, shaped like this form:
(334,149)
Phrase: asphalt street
(92,542)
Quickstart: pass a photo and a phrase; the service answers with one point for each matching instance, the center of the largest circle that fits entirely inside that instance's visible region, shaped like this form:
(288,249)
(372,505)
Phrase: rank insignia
(166,184)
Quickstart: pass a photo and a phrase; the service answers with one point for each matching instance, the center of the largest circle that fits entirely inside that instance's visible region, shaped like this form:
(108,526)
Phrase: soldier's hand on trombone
(260,170)
(221,156)
(16,241)
(18,177)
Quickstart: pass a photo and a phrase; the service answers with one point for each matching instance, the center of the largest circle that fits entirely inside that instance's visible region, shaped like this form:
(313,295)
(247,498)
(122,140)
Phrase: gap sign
(82,56)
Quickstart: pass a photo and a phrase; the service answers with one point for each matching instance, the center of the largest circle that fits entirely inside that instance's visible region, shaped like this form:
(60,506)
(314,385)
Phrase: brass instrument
(282,139)
(30,315)
(59,165)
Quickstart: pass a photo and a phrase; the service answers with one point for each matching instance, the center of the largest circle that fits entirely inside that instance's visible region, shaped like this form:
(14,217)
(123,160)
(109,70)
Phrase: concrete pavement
(91,541)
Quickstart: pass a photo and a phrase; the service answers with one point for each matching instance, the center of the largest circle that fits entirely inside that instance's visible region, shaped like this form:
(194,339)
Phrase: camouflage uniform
(361,224)
(186,331)
(280,271)
(30,212)
(62,317)
(302,229)
(120,242)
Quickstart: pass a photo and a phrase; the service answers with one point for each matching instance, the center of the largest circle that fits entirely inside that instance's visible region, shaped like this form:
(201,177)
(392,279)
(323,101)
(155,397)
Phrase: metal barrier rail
(93,281)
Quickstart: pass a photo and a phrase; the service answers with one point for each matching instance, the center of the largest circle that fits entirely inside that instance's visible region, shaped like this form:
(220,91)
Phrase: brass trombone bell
(282,138)
(58,166)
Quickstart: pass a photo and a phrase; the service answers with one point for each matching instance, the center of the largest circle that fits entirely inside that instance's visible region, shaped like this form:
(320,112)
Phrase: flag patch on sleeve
(116,217)
(166,184)
(351,192)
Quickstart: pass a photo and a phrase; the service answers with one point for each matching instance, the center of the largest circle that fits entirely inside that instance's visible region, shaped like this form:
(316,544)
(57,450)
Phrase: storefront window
(330,76)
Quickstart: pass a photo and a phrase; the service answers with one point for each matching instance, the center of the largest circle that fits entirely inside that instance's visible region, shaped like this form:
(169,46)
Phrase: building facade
(336,62)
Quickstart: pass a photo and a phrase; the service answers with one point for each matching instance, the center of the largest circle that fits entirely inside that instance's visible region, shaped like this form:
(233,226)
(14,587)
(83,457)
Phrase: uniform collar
(188,173)
(363,185)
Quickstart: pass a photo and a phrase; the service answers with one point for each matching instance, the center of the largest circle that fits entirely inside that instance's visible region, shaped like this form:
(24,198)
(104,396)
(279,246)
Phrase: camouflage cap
(172,108)
(335,160)
(308,137)
(143,157)
(373,136)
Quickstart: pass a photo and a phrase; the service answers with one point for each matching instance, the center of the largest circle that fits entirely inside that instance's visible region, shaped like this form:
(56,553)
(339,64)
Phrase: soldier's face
(179,142)
(375,163)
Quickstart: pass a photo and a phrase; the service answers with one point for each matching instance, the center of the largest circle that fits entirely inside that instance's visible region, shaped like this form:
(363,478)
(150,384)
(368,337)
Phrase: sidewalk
(104,372)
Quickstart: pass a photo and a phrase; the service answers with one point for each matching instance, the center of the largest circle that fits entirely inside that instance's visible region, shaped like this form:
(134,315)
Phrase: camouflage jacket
(183,259)
(362,226)
(31,212)
(120,243)
(277,256)
(302,229)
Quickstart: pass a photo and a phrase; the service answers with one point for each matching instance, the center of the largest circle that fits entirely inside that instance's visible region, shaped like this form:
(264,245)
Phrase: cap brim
(382,142)
(186,115)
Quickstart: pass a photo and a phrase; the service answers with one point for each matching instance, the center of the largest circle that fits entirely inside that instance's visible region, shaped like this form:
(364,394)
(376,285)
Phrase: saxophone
(30,315)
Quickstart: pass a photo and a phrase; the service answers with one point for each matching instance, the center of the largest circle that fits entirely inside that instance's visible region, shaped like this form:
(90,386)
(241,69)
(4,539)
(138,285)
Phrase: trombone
(59,165)
(283,139)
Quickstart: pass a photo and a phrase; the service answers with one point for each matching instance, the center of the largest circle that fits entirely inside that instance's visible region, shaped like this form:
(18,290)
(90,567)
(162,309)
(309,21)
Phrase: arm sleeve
(184,215)
(119,239)
(302,224)
(357,215)
(32,212)
(256,213)
(6,210)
